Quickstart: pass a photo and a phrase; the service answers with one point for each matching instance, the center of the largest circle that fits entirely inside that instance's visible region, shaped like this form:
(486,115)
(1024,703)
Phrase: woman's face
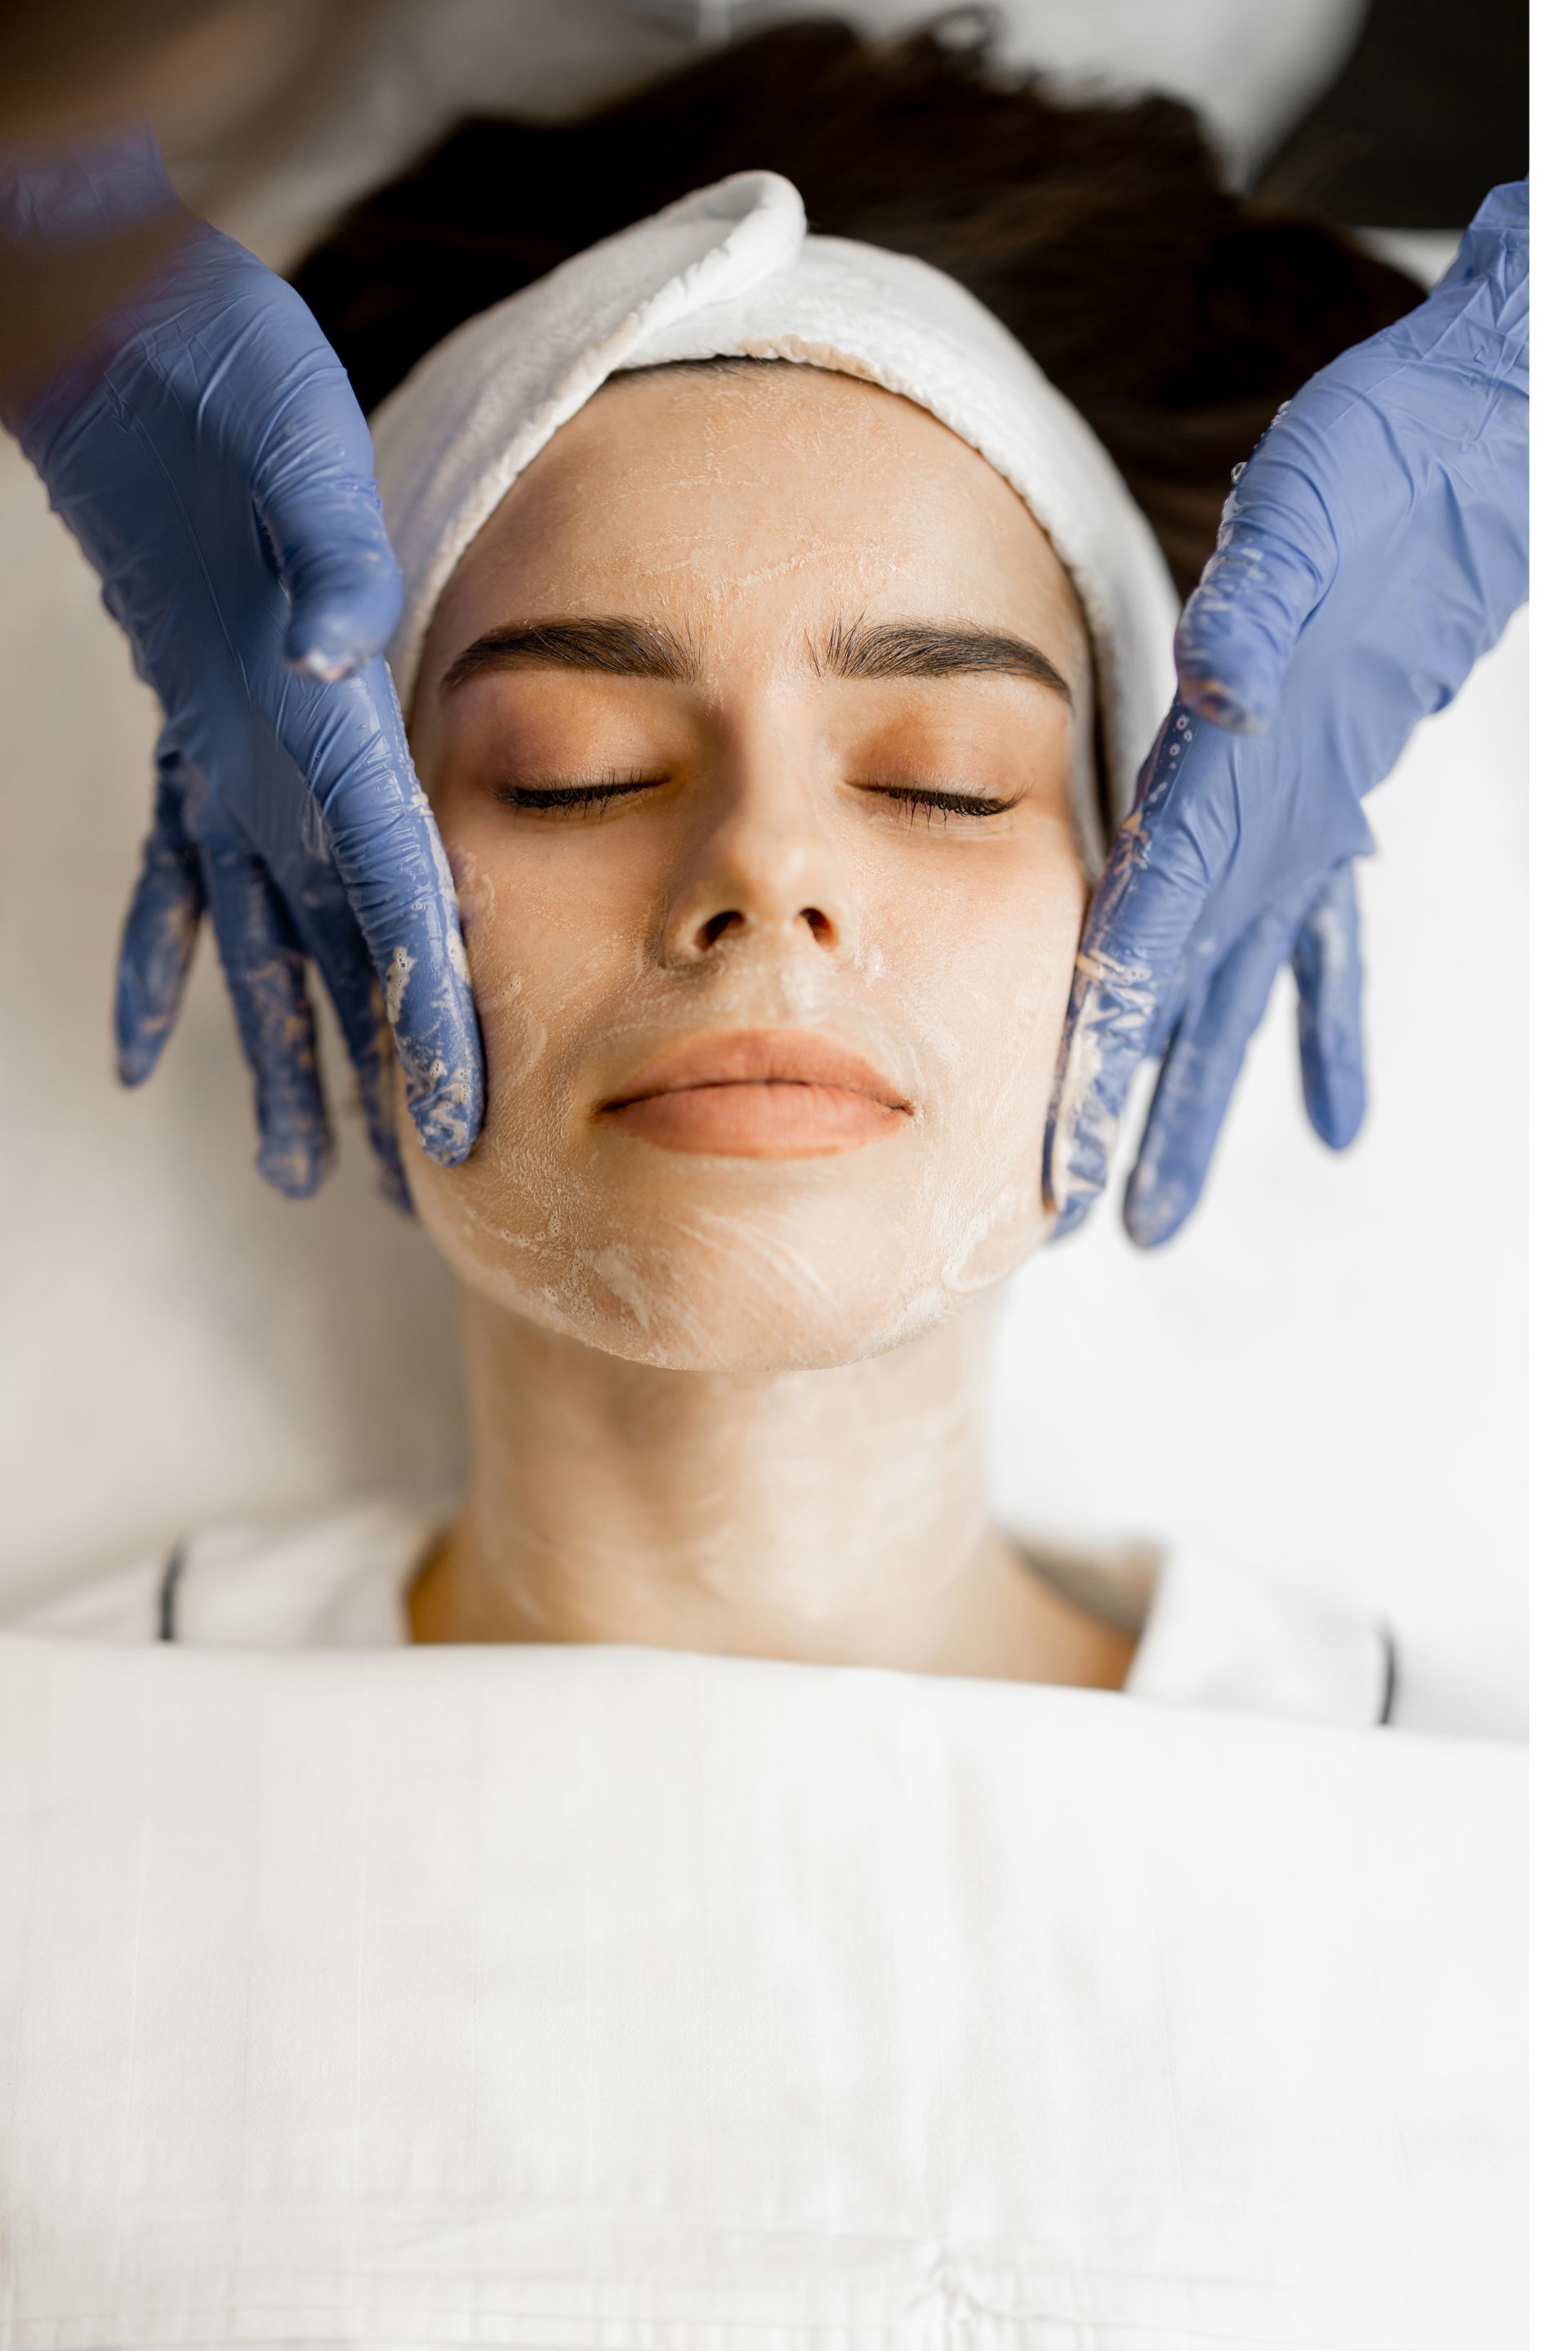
(751,721)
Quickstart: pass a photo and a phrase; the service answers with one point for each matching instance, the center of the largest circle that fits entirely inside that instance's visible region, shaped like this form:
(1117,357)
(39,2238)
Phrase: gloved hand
(205,449)
(1372,548)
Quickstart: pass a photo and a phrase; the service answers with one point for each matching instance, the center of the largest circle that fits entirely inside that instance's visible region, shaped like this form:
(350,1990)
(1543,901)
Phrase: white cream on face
(746,517)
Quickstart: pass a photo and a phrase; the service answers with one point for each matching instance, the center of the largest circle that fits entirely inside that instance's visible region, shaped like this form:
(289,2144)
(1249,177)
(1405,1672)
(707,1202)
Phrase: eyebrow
(929,648)
(620,647)
(616,646)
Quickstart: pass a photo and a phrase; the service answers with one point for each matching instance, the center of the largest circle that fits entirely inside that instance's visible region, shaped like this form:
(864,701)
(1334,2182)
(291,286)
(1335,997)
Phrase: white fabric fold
(731,272)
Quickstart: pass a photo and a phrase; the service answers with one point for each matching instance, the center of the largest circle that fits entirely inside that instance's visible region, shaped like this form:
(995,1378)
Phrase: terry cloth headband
(730,272)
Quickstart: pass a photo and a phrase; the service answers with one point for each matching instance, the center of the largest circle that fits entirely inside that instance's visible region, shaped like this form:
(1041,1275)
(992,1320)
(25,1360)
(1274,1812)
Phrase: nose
(762,870)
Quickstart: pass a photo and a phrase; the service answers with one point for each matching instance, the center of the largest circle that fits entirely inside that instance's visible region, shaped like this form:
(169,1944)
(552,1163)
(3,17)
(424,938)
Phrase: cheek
(549,938)
(548,950)
(983,963)
(982,976)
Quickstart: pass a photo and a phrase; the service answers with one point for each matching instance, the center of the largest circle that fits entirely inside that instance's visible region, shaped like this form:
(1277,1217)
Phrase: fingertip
(446,1086)
(393,1187)
(294,1160)
(341,616)
(407,910)
(325,643)
(1336,1105)
(264,965)
(326,668)
(1208,698)
(156,946)
(1071,1178)
(138,1054)
(1104,1041)
(142,1023)
(378,1083)
(1236,635)
(1175,1150)
(1154,1209)
(1327,966)
(446,1120)
(1061,1222)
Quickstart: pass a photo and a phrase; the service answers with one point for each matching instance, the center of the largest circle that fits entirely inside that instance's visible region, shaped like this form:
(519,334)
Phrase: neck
(832,1516)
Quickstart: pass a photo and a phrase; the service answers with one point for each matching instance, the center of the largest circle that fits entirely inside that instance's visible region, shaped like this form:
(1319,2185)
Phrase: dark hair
(1176,315)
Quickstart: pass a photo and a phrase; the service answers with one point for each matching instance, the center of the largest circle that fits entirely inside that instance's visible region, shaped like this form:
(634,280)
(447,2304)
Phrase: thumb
(341,576)
(1276,555)
(317,501)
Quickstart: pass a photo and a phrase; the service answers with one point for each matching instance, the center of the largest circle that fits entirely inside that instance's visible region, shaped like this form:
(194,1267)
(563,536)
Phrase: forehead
(752,497)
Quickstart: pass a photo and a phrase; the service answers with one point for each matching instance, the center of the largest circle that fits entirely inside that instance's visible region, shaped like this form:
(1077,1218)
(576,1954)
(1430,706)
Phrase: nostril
(822,927)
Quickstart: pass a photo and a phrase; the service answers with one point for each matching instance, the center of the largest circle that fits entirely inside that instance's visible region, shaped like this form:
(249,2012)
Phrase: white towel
(731,272)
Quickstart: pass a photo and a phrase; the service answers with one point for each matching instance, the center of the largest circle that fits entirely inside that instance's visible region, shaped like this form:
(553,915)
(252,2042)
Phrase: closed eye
(591,796)
(594,795)
(938,800)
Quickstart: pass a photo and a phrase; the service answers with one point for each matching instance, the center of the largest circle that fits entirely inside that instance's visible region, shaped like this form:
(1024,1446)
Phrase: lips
(759,1093)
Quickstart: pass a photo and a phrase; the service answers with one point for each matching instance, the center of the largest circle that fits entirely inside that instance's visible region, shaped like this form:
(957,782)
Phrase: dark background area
(1430,111)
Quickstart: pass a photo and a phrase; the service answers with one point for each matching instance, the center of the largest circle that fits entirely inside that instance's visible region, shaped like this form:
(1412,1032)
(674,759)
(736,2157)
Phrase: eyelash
(935,801)
(581,799)
(575,799)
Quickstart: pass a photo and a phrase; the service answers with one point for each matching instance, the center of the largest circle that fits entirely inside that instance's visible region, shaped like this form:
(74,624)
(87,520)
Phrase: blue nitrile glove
(1372,548)
(204,447)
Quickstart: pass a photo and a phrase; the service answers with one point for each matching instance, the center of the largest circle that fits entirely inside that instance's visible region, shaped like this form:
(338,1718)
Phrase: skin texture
(722,1345)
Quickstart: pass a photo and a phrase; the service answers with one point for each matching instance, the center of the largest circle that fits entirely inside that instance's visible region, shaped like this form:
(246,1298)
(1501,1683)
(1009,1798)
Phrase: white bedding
(608,2000)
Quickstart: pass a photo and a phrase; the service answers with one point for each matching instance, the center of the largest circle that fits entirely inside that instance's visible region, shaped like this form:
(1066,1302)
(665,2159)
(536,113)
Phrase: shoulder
(122,1605)
(1214,1638)
(334,1579)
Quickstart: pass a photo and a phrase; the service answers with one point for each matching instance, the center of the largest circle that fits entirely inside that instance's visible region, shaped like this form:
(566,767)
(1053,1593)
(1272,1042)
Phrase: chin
(750,1331)
(712,1268)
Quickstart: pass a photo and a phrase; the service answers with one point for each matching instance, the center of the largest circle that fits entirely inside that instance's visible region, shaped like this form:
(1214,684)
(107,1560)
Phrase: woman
(775,746)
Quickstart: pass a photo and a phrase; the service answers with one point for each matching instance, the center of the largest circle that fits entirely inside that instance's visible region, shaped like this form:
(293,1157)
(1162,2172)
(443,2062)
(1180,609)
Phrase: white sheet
(604,1998)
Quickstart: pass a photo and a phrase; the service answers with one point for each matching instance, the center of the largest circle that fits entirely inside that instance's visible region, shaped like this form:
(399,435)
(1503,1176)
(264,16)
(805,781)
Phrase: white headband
(730,272)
